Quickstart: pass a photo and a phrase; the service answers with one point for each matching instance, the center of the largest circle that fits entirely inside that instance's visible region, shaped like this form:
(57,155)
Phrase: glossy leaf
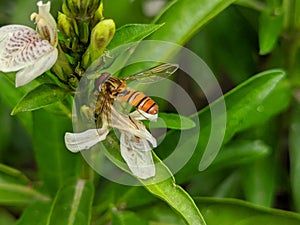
(250,103)
(72,204)
(40,97)
(230,211)
(192,17)
(172,121)
(175,196)
(161,186)
(132,33)
(239,153)
(270,27)
(55,162)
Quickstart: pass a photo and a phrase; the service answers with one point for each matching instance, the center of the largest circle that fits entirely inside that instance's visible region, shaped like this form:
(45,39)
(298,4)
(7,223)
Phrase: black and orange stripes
(140,101)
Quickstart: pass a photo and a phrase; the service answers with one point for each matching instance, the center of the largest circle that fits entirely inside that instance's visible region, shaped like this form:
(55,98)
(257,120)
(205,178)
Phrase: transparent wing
(154,74)
(137,154)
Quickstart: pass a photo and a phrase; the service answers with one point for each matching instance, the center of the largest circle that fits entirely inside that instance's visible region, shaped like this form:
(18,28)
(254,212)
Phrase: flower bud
(62,67)
(98,15)
(80,8)
(65,25)
(101,35)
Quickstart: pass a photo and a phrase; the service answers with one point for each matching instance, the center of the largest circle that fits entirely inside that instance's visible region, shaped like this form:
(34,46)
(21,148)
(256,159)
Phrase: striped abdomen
(140,101)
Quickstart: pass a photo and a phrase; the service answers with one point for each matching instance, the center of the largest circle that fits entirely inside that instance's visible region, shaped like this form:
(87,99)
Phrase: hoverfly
(113,88)
(134,137)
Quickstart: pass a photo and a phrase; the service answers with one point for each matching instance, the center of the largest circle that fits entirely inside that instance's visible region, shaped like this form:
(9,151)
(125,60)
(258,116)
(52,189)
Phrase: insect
(108,89)
(135,139)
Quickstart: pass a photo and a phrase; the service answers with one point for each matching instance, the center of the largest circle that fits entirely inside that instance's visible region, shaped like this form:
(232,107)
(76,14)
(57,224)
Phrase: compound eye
(101,80)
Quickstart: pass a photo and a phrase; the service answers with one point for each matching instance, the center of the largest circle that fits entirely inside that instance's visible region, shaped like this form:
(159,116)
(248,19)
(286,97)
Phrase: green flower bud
(98,15)
(101,35)
(62,67)
(65,25)
(80,8)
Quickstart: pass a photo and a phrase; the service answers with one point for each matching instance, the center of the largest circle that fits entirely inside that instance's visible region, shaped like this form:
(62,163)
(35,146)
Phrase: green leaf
(249,104)
(15,194)
(182,19)
(160,185)
(294,144)
(35,214)
(120,195)
(132,33)
(126,217)
(259,181)
(270,27)
(230,211)
(15,188)
(240,152)
(11,96)
(55,162)
(40,97)
(174,195)
(173,121)
(160,214)
(181,28)
(7,218)
(73,204)
(13,175)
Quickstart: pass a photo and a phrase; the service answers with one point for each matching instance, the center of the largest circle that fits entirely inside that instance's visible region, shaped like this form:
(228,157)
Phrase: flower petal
(45,23)
(42,64)
(126,123)
(141,115)
(20,46)
(137,154)
(76,142)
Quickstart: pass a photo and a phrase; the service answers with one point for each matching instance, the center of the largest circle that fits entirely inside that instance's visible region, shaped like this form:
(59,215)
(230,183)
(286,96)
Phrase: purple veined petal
(36,69)
(137,154)
(76,142)
(21,46)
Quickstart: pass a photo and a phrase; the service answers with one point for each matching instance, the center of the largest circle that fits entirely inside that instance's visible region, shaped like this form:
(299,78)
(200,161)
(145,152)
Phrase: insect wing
(154,74)
(137,154)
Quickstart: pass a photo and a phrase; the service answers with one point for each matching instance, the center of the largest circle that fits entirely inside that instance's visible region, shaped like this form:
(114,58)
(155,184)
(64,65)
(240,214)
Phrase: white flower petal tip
(76,142)
(141,115)
(144,173)
(137,154)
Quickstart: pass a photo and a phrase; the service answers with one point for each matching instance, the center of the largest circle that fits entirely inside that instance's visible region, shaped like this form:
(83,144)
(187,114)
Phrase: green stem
(291,39)
(86,172)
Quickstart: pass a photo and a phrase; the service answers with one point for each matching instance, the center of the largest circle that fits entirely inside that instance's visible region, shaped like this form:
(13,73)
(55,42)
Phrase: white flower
(134,140)
(27,51)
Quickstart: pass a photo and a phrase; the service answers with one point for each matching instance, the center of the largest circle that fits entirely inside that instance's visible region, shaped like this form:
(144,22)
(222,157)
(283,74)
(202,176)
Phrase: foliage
(252,48)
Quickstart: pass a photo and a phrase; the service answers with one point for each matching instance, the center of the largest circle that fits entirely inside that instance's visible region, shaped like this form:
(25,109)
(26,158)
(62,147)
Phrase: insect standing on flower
(134,137)
(111,88)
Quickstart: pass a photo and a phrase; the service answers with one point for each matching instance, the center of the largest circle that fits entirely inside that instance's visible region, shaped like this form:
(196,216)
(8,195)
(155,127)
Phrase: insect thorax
(114,86)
